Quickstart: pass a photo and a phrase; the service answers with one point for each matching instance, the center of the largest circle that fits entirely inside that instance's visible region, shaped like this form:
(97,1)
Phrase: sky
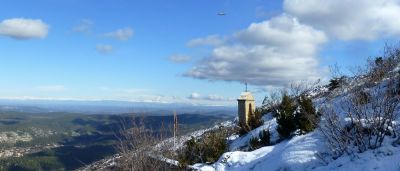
(183,51)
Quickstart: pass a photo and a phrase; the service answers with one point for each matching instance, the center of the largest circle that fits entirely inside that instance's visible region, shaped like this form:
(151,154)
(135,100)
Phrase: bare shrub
(335,132)
(369,122)
(139,148)
(372,119)
(271,101)
(369,107)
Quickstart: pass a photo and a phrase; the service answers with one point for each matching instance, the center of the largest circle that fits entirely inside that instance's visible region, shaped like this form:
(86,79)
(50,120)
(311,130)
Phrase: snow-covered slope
(306,152)
(299,153)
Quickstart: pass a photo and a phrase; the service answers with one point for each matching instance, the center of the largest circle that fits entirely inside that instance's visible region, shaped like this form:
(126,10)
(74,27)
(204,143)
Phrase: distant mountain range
(109,107)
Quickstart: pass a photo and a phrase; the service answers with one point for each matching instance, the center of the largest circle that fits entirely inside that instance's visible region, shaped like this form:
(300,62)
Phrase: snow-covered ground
(304,152)
(298,153)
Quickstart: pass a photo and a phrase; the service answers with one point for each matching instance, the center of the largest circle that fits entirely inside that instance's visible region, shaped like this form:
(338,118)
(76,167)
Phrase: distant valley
(57,137)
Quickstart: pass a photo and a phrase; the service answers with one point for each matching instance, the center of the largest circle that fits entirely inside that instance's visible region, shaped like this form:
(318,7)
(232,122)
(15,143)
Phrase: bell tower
(246,106)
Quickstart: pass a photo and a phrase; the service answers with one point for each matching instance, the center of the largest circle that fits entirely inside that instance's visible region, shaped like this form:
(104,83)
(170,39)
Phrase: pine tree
(255,120)
(306,118)
(285,117)
(265,137)
(262,140)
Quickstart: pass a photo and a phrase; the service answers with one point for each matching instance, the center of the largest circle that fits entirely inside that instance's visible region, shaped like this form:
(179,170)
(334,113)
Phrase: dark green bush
(254,122)
(335,83)
(285,117)
(262,140)
(307,118)
(204,150)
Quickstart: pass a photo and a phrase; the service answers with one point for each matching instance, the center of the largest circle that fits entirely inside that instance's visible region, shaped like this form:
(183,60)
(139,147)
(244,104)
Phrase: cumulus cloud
(51,88)
(84,26)
(348,19)
(211,40)
(21,28)
(104,49)
(180,58)
(272,52)
(120,34)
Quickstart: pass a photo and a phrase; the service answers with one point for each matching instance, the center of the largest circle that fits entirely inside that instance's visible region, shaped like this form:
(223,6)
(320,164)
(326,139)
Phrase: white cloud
(84,26)
(124,91)
(349,19)
(51,88)
(211,40)
(21,28)
(210,97)
(120,34)
(104,49)
(194,96)
(272,52)
(180,58)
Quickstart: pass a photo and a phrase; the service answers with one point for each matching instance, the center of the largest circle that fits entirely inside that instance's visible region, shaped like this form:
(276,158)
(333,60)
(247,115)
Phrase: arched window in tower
(250,109)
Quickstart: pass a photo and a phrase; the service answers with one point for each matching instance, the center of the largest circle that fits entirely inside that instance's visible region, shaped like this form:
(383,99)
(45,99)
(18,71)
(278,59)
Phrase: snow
(298,153)
(241,142)
(309,151)
(302,152)
(384,158)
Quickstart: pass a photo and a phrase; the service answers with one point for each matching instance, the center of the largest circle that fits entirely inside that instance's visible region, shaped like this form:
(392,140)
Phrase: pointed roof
(246,96)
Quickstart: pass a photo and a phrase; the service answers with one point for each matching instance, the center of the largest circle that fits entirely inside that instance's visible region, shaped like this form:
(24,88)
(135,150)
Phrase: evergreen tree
(265,137)
(336,83)
(255,120)
(285,117)
(306,118)
(262,140)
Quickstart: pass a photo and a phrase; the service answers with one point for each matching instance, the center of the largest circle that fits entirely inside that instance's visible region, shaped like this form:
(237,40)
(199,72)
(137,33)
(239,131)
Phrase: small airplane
(221,14)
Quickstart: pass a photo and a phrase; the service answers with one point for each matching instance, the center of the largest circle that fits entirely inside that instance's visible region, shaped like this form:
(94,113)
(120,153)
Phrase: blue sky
(180,51)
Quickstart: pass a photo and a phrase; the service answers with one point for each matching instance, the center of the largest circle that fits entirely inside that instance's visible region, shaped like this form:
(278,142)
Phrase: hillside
(344,108)
(67,141)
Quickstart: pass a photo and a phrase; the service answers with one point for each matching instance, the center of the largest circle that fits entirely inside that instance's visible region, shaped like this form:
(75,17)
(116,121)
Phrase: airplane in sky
(221,13)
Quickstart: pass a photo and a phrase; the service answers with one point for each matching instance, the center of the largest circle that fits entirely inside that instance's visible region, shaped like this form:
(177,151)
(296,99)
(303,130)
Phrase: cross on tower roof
(246,85)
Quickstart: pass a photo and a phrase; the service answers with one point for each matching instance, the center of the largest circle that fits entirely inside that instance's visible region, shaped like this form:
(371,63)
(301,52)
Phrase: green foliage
(335,83)
(285,117)
(262,140)
(307,118)
(254,143)
(205,150)
(31,164)
(244,129)
(378,61)
(86,138)
(255,121)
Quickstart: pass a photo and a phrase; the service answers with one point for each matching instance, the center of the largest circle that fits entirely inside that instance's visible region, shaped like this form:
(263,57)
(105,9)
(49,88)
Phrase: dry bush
(372,118)
(370,107)
(139,148)
(368,126)
(337,136)
(271,101)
